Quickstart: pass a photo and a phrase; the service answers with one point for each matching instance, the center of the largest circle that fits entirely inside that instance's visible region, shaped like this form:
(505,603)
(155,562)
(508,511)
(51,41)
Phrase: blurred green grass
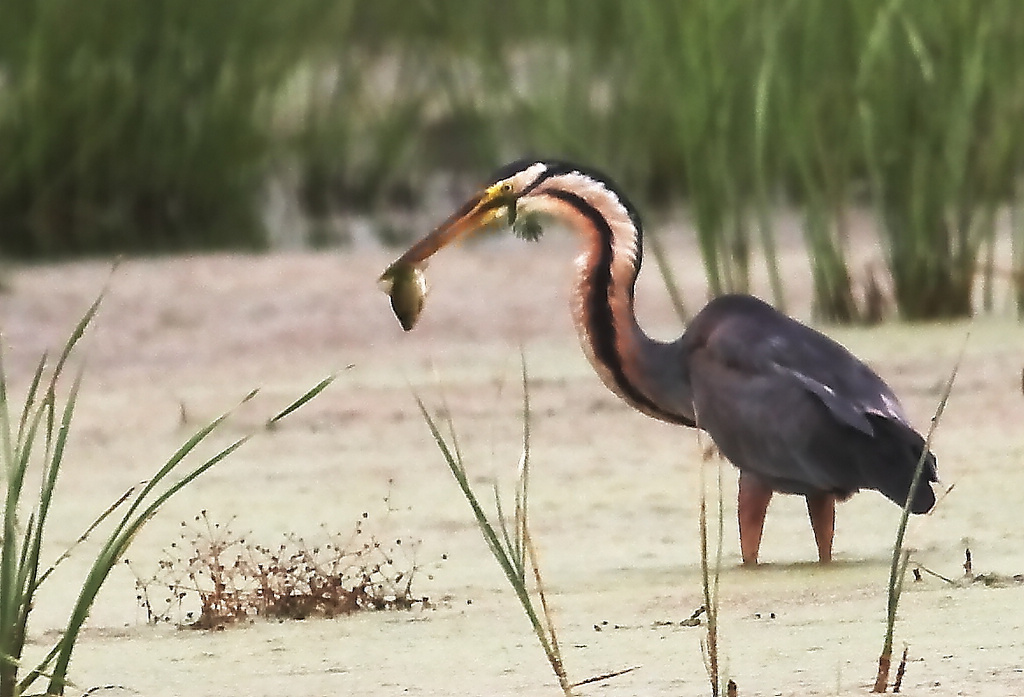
(158,126)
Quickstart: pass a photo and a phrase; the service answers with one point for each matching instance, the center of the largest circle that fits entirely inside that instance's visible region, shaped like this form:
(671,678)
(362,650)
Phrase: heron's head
(403,281)
(495,203)
(520,193)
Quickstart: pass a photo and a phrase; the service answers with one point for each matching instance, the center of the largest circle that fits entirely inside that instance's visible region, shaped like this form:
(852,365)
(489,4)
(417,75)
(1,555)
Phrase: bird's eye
(506,188)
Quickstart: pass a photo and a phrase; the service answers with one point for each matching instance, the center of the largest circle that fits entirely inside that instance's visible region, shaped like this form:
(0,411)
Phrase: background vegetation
(160,126)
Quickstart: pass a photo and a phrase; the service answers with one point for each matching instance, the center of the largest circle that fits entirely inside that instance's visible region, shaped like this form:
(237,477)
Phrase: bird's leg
(752,504)
(821,508)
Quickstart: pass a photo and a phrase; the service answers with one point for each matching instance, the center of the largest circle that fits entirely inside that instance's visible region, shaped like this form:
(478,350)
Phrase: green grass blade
(182,452)
(85,535)
(553,650)
(668,278)
(12,578)
(30,399)
(137,515)
(20,598)
(317,389)
(513,551)
(901,558)
(55,456)
(18,581)
(112,551)
(522,502)
(509,538)
(12,441)
(707,585)
(446,409)
(459,472)
(501,555)
(6,437)
(79,331)
(20,553)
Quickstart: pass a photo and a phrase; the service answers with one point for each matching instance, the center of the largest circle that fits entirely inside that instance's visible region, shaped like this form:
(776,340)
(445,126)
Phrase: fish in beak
(404,282)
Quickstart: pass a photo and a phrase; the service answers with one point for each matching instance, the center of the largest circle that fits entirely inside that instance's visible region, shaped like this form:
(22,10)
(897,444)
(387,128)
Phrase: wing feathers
(850,413)
(786,402)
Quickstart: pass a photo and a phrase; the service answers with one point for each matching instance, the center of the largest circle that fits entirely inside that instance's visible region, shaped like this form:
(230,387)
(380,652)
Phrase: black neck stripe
(599,318)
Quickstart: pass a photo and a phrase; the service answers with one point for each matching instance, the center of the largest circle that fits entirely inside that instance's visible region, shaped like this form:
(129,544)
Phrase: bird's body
(787,403)
(795,411)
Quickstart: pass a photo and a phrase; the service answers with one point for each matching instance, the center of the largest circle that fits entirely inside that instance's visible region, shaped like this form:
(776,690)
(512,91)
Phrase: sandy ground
(614,495)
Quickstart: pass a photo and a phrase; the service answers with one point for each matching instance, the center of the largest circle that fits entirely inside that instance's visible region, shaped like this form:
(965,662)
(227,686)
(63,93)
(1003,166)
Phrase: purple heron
(792,409)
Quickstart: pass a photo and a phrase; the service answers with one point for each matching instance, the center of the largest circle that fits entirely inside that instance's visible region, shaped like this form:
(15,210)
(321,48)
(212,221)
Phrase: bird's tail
(892,469)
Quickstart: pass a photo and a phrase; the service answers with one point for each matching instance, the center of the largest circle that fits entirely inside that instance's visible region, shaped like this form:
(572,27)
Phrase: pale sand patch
(614,494)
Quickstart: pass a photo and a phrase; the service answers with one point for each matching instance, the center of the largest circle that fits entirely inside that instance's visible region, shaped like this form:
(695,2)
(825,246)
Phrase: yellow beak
(403,280)
(473,215)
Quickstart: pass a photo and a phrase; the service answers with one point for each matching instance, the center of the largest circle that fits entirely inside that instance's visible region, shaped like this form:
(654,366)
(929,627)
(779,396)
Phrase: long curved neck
(647,374)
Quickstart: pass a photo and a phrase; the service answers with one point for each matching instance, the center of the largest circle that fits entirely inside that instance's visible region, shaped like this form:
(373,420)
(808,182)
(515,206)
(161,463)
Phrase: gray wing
(790,404)
(770,342)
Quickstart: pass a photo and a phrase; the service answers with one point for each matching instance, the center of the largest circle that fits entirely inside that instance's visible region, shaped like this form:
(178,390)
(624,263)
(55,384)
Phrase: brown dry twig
(232,579)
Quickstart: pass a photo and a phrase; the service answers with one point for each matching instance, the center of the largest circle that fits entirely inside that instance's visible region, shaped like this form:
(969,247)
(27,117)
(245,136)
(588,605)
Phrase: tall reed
(814,103)
(144,127)
(710,572)
(140,126)
(511,546)
(808,101)
(901,555)
(508,537)
(1017,251)
(693,118)
(939,107)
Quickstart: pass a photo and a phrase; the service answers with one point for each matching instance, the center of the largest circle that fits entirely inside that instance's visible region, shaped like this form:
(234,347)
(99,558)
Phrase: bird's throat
(628,361)
(622,354)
